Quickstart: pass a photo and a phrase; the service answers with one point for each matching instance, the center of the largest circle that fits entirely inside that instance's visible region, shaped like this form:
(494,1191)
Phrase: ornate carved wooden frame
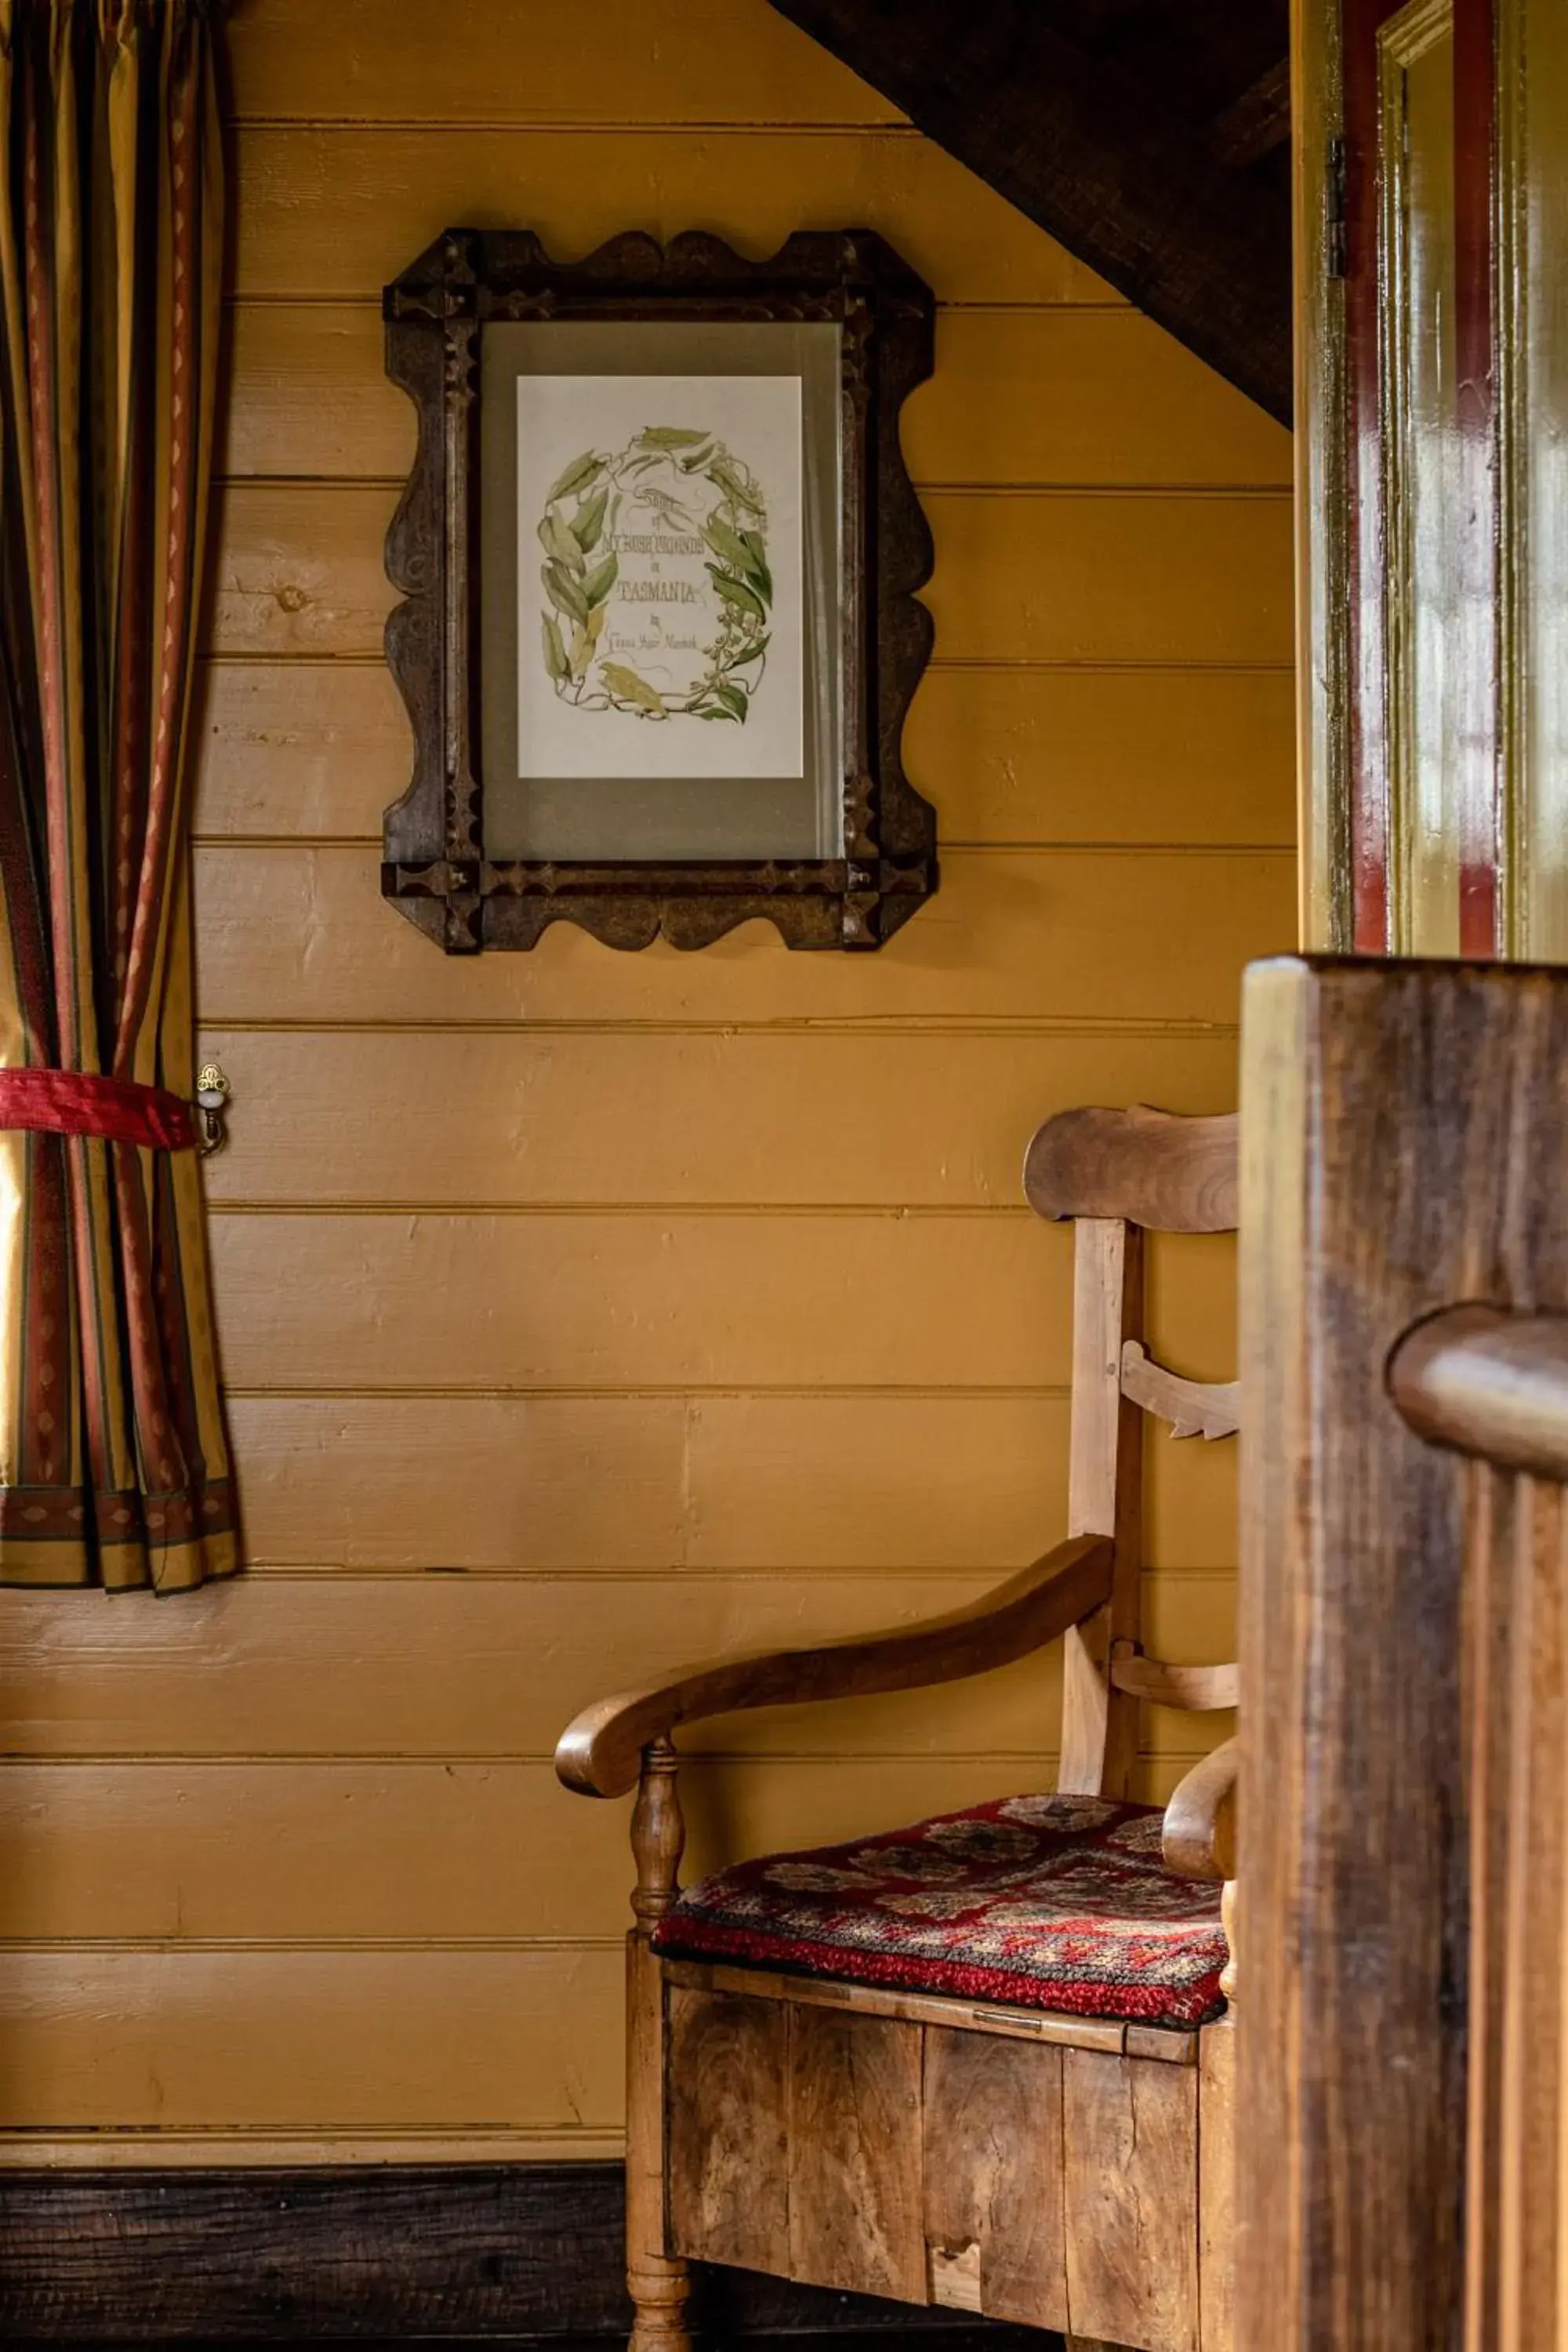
(436,870)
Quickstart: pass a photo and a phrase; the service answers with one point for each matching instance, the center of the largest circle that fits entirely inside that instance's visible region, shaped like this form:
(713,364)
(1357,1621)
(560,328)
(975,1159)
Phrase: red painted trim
(1475,321)
(78,1102)
(1366,521)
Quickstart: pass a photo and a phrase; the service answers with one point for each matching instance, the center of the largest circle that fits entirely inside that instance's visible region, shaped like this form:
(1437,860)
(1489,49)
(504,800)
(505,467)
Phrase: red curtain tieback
(80,1102)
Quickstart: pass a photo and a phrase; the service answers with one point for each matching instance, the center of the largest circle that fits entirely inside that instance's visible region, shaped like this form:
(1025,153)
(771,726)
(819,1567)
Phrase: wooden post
(1401,1921)
(1105,1498)
(657,2284)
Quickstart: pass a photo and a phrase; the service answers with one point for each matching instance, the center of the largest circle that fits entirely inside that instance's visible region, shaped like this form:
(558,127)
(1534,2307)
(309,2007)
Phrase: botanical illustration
(660,577)
(674,498)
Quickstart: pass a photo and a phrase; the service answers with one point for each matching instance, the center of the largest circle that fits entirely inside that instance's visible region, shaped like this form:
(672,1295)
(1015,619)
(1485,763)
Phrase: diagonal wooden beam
(1097,161)
(1256,122)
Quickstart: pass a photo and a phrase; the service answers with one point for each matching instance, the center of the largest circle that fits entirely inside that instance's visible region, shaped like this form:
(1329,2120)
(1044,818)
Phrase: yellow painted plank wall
(584,1312)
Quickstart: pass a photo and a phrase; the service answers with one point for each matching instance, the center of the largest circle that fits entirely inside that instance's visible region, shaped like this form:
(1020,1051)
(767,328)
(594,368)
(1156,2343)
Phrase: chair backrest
(1118,1173)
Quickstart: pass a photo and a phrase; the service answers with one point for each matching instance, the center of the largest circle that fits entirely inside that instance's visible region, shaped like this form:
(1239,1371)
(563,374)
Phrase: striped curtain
(114,1466)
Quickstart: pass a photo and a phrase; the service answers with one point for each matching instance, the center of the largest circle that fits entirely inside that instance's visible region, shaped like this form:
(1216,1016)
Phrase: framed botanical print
(659,554)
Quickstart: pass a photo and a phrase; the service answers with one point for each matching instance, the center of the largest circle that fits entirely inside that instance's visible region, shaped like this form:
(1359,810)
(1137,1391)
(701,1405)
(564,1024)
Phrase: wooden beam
(1101,162)
(1256,122)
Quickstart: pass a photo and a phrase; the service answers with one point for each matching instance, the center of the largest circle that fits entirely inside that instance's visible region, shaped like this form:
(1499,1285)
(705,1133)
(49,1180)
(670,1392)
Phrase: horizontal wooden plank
(466,1482)
(1088,578)
(826,1482)
(303,934)
(290,750)
(1082,396)
(309,2041)
(1063,396)
(1009,755)
(299,569)
(1056,2028)
(513,61)
(595,1301)
(340,1852)
(1189,1500)
(339,212)
(813,1484)
(916,1120)
(309,396)
(670,1299)
(113,2150)
(1191,1322)
(1057,577)
(337,1852)
(447,1666)
(1184,756)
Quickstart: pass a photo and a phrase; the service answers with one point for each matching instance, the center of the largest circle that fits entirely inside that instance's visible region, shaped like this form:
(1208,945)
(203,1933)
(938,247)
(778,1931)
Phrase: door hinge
(1336,233)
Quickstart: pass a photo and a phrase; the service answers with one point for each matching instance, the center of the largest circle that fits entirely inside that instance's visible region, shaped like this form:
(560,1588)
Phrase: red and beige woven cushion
(1047,1902)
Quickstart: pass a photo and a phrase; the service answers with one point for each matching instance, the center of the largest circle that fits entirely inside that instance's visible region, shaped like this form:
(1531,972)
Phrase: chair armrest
(600,1754)
(1200,1820)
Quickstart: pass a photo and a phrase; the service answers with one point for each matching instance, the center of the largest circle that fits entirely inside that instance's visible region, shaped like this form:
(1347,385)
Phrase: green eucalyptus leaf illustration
(736,593)
(727,515)
(558,542)
(726,544)
(723,472)
(757,564)
(601,580)
(555,651)
(588,520)
(577,476)
(631,687)
(564,593)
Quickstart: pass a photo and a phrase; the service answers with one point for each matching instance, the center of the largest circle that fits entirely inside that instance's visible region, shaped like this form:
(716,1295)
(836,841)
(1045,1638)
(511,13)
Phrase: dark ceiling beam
(1101,163)
(1257,121)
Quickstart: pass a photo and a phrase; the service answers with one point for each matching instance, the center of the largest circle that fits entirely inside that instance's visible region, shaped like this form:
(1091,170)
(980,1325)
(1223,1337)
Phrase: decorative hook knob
(213,1092)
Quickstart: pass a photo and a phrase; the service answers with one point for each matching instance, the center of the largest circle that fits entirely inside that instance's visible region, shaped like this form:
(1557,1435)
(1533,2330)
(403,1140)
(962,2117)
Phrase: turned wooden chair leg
(658,2284)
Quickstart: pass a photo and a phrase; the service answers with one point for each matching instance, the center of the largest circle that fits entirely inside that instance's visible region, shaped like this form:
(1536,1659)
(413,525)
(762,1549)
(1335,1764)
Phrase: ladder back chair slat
(1116,1174)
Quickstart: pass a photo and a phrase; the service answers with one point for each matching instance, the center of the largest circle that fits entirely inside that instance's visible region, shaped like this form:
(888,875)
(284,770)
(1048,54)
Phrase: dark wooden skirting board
(456,2254)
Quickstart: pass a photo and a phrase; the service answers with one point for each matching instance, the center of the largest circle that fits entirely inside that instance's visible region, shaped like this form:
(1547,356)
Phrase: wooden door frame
(1348,825)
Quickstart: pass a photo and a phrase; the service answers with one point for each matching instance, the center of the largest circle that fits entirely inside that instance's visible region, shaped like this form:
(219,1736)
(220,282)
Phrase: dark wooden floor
(459,2258)
(976,2336)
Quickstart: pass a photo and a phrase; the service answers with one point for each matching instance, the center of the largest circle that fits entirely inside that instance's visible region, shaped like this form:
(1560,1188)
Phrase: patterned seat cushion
(1047,1902)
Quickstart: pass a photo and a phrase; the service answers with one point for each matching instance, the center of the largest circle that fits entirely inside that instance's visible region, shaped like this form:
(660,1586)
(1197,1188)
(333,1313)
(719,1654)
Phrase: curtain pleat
(114,1461)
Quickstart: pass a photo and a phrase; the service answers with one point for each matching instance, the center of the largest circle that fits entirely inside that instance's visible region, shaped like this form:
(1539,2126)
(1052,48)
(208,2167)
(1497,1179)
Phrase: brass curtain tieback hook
(213,1091)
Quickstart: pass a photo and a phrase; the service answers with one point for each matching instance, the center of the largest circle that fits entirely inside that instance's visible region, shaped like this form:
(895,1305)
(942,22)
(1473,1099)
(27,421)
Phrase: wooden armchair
(983,2062)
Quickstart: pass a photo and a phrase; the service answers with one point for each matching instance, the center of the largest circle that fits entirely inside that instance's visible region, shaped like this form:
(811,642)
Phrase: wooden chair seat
(1048,1902)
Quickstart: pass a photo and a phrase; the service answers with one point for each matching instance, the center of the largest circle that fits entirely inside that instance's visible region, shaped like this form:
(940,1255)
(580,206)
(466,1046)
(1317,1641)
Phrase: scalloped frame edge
(436,870)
